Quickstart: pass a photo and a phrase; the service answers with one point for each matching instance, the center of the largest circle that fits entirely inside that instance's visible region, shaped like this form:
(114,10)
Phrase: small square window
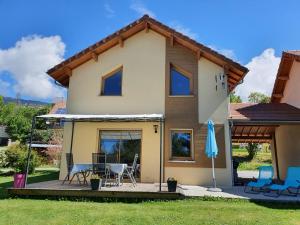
(181,146)
(112,83)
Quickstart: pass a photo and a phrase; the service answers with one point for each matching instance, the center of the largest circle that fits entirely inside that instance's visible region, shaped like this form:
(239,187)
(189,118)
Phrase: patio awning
(257,122)
(106,117)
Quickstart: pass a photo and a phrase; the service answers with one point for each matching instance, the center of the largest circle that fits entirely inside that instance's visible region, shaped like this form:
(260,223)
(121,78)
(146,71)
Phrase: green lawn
(191,211)
(197,211)
(261,158)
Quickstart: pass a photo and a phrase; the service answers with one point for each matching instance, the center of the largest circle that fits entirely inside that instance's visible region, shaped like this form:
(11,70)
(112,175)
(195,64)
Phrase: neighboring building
(4,137)
(277,122)
(148,68)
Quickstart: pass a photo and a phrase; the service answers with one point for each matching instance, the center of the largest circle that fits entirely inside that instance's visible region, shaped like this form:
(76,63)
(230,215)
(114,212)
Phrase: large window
(112,83)
(121,146)
(181,146)
(180,82)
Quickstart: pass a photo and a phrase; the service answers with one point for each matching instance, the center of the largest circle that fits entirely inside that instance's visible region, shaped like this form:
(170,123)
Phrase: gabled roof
(283,73)
(63,71)
(263,112)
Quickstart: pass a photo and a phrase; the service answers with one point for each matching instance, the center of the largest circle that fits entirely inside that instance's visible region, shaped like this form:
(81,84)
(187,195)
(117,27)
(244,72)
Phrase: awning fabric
(108,117)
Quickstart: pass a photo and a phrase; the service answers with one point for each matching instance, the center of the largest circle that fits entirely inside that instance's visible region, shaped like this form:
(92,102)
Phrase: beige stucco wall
(291,93)
(86,138)
(143,83)
(213,104)
(288,147)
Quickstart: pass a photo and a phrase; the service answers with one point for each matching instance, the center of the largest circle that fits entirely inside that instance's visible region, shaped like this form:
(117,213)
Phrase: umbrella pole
(213,171)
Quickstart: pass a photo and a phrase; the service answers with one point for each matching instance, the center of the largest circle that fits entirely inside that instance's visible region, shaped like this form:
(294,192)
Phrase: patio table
(86,168)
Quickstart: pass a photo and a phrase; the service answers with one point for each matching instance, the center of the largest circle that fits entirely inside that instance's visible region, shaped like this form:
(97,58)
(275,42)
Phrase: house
(277,122)
(149,89)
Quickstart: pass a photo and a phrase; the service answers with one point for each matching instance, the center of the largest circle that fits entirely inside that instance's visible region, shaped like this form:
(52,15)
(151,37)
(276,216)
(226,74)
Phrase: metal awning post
(72,135)
(29,150)
(160,155)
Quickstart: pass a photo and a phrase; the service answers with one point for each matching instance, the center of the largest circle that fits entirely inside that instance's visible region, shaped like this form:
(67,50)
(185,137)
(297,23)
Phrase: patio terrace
(142,190)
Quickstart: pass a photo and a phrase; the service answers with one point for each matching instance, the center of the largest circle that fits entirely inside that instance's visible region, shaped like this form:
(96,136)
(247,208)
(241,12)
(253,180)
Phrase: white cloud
(184,30)
(28,62)
(109,11)
(141,9)
(261,76)
(4,85)
(229,53)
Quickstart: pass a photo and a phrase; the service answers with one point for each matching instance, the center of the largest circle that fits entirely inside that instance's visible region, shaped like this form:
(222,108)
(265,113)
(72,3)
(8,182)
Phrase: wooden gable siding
(181,112)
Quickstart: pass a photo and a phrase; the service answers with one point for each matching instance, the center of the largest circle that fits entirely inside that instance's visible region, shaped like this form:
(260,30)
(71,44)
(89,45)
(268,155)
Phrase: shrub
(17,158)
(3,161)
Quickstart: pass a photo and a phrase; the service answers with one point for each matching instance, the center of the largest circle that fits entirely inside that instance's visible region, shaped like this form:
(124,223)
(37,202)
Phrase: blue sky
(252,32)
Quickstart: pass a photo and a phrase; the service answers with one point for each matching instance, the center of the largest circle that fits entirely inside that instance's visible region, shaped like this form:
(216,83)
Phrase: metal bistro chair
(70,169)
(130,170)
(99,165)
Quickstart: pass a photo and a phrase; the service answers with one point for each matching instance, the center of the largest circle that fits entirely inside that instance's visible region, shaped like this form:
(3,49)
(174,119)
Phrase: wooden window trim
(185,73)
(109,74)
(182,159)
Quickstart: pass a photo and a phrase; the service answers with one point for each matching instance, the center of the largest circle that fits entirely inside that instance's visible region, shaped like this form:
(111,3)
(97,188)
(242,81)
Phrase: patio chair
(264,178)
(70,169)
(130,170)
(291,184)
(99,165)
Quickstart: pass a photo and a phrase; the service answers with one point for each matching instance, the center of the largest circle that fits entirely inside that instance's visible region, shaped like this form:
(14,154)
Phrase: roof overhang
(258,122)
(285,66)
(105,118)
(62,72)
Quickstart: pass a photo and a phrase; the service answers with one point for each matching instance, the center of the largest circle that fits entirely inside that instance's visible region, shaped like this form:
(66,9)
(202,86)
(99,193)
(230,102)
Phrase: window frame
(178,158)
(109,74)
(185,73)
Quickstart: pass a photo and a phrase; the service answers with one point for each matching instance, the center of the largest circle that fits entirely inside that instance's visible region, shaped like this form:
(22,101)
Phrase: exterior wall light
(155,126)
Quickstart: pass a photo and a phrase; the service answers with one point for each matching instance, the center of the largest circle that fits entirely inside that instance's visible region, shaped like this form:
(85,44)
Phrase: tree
(18,118)
(257,97)
(234,98)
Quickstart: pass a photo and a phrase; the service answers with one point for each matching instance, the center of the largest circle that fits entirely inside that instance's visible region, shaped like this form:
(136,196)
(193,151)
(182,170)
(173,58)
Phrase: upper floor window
(180,82)
(112,83)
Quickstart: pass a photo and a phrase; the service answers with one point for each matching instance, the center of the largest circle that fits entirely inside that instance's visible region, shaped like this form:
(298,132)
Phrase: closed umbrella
(211,151)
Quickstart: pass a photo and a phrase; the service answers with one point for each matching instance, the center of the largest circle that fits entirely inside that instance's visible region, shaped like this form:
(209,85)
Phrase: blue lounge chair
(291,184)
(264,179)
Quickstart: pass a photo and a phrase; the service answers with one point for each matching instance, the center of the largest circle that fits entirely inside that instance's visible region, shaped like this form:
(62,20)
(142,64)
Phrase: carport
(274,123)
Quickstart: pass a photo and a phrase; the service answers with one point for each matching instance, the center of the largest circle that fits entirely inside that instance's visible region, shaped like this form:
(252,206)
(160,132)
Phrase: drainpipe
(161,152)
(230,123)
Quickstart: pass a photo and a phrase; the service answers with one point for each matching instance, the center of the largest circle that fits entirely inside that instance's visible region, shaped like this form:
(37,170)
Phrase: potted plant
(95,182)
(17,159)
(172,184)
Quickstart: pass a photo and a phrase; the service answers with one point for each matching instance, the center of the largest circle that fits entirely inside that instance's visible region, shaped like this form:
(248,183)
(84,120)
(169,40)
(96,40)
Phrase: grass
(260,159)
(6,179)
(191,211)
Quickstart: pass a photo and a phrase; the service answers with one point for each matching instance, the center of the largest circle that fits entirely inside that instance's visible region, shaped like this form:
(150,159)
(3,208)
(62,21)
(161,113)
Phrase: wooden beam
(277,95)
(68,71)
(199,54)
(283,78)
(121,41)
(147,27)
(95,56)
(172,40)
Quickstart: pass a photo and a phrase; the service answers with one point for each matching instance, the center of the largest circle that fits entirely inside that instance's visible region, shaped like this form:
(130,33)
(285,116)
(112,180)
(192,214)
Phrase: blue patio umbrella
(211,150)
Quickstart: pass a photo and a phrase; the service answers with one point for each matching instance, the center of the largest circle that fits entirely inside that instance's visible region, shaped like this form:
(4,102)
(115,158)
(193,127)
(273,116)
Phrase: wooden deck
(56,189)
(143,191)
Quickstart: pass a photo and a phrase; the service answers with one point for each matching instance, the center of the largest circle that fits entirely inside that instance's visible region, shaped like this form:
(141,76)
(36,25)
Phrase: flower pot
(19,180)
(172,184)
(95,184)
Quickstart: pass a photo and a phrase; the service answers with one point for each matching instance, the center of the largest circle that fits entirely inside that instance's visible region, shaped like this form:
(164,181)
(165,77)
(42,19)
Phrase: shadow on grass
(33,178)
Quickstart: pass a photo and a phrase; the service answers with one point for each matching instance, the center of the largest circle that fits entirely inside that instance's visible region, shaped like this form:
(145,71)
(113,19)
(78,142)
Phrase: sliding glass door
(121,146)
